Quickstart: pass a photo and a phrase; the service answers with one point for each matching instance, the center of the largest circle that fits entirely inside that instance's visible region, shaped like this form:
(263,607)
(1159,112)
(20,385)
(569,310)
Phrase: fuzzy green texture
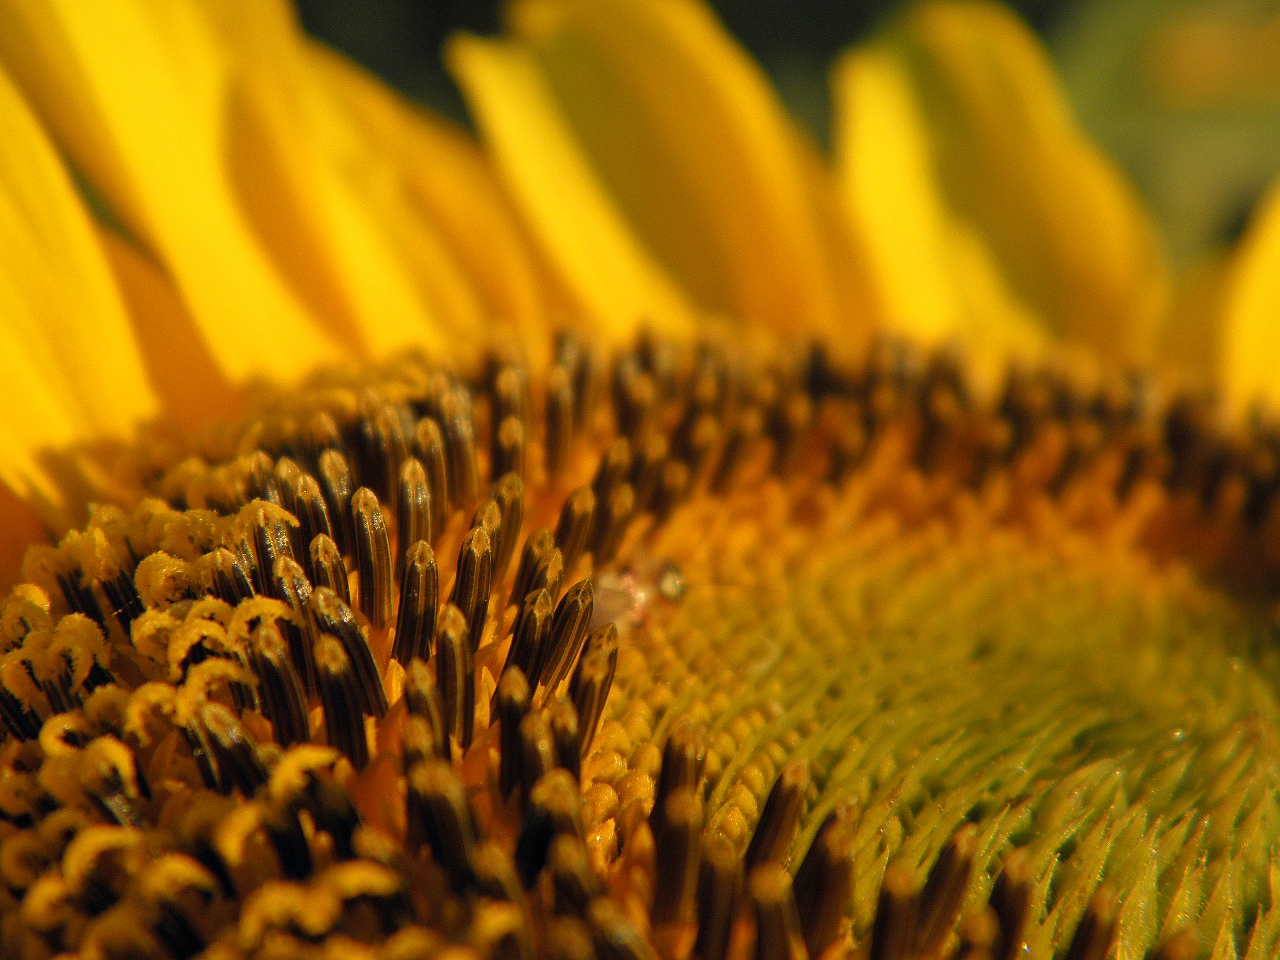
(1064,693)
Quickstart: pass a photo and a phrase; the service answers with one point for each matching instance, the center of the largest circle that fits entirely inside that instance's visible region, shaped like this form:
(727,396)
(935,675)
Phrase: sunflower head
(620,536)
(674,654)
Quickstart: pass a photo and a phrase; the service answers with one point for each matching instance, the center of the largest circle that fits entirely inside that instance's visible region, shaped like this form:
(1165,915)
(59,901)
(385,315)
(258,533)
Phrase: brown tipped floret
(511,705)
(292,587)
(271,544)
(508,493)
(537,750)
(780,817)
(1011,900)
(945,889)
(566,635)
(747,429)
(613,469)
(495,875)
(777,927)
(460,448)
(327,567)
(558,421)
(419,600)
(824,882)
(335,618)
(1096,933)
(231,582)
(682,760)
(383,448)
(428,447)
(529,635)
(552,809)
(573,884)
(413,511)
(373,557)
(233,750)
(312,513)
(440,820)
(508,448)
(422,699)
(320,434)
(336,484)
(611,524)
(473,582)
(343,698)
(673,484)
(537,546)
(574,527)
(455,674)
(897,914)
(280,690)
(720,879)
(646,470)
(678,848)
(563,719)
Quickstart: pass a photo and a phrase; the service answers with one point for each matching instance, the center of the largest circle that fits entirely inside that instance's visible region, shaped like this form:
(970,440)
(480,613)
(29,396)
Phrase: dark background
(794,39)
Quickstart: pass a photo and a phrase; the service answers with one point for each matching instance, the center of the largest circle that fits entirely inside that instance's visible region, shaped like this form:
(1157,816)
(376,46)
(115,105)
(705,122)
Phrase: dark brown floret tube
(419,599)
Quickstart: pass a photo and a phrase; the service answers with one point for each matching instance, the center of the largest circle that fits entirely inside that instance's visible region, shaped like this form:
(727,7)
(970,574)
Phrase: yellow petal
(1250,368)
(997,327)
(45,429)
(848,253)
(885,164)
(689,139)
(441,175)
(590,246)
(39,408)
(183,373)
(73,317)
(320,232)
(1190,347)
(21,528)
(937,278)
(139,119)
(1067,231)
(70,370)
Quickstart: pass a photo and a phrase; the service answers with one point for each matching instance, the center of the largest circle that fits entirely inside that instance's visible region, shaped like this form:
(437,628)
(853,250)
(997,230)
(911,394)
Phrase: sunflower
(621,534)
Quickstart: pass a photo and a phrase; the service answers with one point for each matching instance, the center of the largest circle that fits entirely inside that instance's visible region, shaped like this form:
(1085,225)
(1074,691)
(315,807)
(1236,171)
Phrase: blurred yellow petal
(437,273)
(444,178)
(849,256)
(690,140)
(937,277)
(884,160)
(378,174)
(586,240)
(22,528)
(1190,347)
(70,370)
(140,119)
(191,387)
(1068,233)
(45,430)
(1250,369)
(38,410)
(997,325)
(320,233)
(68,310)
